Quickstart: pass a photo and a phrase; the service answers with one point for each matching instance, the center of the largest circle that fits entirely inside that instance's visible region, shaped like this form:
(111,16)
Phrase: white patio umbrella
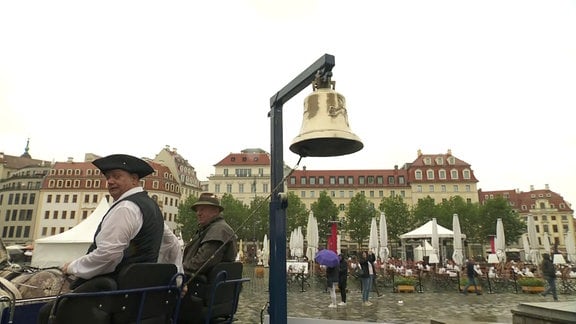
(570,247)
(546,243)
(533,240)
(526,246)
(292,243)
(373,241)
(299,247)
(458,254)
(500,243)
(384,252)
(311,236)
(265,250)
(435,243)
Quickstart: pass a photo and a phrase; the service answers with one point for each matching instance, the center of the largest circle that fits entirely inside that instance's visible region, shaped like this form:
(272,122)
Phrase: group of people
(133,231)
(363,266)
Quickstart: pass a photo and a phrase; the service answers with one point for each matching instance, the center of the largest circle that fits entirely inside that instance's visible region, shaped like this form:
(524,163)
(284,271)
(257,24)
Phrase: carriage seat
(213,298)
(142,293)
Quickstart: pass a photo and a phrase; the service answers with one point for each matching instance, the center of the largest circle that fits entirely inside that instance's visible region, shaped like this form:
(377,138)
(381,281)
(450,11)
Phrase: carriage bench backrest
(142,291)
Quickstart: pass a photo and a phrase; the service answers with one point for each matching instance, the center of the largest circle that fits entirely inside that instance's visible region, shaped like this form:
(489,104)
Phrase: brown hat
(124,162)
(207,199)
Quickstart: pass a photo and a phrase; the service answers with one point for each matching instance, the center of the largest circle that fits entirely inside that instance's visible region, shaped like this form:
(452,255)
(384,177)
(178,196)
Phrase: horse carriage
(143,293)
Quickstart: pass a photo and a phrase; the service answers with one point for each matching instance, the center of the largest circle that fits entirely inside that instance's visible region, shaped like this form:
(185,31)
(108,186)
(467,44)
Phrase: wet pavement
(390,307)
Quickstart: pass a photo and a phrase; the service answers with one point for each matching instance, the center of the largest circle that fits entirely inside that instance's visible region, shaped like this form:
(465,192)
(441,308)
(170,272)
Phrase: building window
(292,180)
(361,180)
(455,188)
(419,188)
(431,188)
(217,188)
(418,174)
(430,174)
(312,180)
(401,180)
(468,188)
(320,180)
(302,194)
(370,179)
(350,180)
(466,174)
(229,188)
(443,188)
(442,174)
(391,180)
(341,193)
(454,174)
(312,194)
(241,188)
(332,180)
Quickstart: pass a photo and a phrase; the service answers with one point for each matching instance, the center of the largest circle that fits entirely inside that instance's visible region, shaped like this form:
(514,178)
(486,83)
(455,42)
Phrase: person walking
(331,282)
(549,273)
(366,264)
(471,274)
(342,279)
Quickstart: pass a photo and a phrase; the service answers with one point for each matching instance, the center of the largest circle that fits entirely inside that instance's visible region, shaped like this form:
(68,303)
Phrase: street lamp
(324,133)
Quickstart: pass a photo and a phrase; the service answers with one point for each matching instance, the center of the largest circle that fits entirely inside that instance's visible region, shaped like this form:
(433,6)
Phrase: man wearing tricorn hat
(131,231)
(214,242)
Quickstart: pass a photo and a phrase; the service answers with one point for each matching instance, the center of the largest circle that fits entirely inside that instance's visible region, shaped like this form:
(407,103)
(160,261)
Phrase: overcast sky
(494,81)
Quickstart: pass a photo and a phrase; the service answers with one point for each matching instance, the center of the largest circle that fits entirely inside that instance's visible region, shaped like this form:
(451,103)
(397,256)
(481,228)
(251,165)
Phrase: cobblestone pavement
(389,307)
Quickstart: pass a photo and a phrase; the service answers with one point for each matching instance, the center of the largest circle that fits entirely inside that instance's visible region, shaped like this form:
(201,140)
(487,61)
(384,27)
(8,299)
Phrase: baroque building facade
(551,213)
(40,198)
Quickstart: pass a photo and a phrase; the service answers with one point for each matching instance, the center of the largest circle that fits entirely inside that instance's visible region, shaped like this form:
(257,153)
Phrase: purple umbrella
(328,258)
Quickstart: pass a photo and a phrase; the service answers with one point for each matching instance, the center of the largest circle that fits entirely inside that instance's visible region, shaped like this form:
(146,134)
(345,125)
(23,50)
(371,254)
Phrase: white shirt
(120,225)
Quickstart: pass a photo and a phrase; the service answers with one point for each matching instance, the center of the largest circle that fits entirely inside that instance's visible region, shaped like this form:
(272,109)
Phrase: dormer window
(427,161)
(418,174)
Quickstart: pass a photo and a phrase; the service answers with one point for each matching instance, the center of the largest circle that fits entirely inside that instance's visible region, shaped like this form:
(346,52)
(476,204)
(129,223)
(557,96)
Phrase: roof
(425,231)
(84,231)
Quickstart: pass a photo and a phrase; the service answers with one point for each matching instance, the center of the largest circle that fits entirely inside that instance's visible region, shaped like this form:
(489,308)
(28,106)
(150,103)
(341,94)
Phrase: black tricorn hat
(209,199)
(124,162)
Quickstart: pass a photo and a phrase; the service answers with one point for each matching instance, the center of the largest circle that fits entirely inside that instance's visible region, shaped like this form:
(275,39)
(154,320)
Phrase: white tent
(54,251)
(420,252)
(425,232)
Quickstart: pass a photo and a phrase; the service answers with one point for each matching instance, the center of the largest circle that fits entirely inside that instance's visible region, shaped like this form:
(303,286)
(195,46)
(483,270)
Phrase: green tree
(236,215)
(259,222)
(186,218)
(325,210)
(359,217)
(490,211)
(296,213)
(455,205)
(399,220)
(424,211)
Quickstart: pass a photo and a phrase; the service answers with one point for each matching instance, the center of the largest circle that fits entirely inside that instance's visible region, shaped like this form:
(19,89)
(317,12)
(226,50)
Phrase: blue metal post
(277,278)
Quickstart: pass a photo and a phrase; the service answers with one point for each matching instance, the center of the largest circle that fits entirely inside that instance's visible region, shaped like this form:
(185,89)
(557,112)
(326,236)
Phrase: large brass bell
(325,130)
